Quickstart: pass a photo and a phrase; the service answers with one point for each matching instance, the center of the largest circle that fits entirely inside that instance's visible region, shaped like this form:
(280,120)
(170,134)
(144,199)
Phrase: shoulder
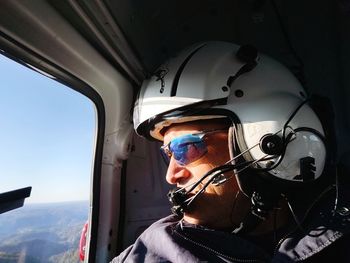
(324,230)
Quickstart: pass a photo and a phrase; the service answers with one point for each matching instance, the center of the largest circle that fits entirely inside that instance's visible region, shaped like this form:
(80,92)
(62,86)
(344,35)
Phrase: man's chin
(192,219)
(193,214)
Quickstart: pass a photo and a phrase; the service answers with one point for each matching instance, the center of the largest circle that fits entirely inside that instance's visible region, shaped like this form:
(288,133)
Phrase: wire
(291,117)
(300,74)
(217,173)
(300,222)
(221,169)
(336,190)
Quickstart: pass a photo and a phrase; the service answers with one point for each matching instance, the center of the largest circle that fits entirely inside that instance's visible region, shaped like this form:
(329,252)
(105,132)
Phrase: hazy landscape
(39,233)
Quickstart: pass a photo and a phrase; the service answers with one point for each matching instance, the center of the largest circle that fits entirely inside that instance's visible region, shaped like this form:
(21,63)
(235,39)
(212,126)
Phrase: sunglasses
(186,148)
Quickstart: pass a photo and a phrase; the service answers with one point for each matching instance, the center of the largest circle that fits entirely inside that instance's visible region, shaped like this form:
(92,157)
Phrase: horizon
(57,202)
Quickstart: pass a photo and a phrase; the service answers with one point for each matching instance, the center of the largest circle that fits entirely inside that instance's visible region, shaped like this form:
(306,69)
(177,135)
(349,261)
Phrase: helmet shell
(260,101)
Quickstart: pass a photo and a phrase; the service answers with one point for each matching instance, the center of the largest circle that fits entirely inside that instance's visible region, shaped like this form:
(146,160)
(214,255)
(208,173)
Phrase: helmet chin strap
(261,201)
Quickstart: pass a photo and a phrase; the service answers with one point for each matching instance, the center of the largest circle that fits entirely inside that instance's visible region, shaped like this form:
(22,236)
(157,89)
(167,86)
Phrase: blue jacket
(324,237)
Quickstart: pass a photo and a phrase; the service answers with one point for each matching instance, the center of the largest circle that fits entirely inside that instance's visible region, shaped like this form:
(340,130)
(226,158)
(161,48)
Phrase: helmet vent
(248,55)
(224,88)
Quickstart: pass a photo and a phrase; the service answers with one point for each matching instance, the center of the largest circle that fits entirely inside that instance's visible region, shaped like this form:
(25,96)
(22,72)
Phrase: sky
(47,134)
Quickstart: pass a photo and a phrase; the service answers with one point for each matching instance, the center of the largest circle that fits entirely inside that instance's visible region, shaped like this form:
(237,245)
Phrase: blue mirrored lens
(188,148)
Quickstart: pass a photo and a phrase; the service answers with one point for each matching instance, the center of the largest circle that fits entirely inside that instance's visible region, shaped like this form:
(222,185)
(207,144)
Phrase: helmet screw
(239,93)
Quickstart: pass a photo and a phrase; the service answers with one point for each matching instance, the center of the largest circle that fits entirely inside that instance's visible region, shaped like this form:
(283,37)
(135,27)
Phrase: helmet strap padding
(234,151)
(247,179)
(231,141)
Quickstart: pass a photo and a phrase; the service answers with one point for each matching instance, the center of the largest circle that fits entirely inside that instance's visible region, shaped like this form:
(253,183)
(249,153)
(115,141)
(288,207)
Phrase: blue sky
(46,136)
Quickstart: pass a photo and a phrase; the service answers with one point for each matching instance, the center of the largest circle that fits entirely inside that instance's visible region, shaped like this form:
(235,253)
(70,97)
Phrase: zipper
(232,259)
(283,239)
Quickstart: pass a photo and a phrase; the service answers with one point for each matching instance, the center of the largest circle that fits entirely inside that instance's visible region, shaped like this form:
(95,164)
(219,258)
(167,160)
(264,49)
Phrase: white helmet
(275,129)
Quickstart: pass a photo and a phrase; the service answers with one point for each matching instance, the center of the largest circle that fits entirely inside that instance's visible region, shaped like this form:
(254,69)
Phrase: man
(252,164)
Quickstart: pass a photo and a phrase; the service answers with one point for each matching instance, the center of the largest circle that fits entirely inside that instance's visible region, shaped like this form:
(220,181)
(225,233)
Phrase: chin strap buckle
(261,206)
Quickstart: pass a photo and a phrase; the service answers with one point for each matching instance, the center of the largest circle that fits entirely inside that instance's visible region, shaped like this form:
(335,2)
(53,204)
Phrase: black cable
(336,191)
(221,171)
(300,222)
(300,74)
(292,116)
(223,168)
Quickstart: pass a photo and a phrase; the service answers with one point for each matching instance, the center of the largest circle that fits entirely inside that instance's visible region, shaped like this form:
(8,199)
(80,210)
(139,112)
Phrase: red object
(82,243)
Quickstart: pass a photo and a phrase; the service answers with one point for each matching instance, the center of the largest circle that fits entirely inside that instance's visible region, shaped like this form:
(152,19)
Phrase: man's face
(212,208)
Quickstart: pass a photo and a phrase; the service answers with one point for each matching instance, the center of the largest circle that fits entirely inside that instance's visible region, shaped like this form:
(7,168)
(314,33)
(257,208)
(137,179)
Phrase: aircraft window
(46,142)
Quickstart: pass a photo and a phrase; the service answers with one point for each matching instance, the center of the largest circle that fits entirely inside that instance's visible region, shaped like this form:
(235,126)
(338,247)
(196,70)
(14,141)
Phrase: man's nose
(176,173)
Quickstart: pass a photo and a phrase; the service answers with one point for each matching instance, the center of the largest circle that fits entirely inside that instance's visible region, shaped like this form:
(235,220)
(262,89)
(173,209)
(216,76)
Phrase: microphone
(180,198)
